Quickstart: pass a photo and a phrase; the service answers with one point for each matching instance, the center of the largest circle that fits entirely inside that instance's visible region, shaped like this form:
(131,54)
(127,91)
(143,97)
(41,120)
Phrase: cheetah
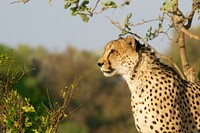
(161,100)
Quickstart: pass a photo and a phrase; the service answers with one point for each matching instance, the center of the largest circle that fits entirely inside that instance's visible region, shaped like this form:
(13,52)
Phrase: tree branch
(191,15)
(181,42)
(178,22)
(188,33)
(96,4)
(148,21)
(20,1)
(115,23)
(175,20)
(188,70)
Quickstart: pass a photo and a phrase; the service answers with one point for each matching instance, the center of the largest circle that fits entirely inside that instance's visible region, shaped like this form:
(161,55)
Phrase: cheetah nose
(100,64)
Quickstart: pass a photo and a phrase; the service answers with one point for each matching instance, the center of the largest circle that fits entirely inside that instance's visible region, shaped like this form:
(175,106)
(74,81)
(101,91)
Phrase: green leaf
(27,122)
(28,108)
(70,2)
(84,17)
(108,4)
(9,131)
(74,11)
(124,32)
(199,74)
(8,123)
(3,58)
(49,130)
(67,5)
(169,6)
(84,3)
(126,2)
(83,6)
(127,19)
(35,130)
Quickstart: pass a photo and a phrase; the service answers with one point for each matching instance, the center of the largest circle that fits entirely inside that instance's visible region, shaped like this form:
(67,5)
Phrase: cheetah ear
(131,41)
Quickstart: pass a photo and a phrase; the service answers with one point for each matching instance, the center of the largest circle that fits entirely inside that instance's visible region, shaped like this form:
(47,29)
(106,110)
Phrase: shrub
(17,114)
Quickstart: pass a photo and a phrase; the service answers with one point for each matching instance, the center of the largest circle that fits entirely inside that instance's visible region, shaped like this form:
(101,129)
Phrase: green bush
(17,114)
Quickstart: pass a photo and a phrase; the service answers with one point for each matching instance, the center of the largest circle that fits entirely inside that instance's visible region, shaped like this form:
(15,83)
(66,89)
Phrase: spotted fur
(161,100)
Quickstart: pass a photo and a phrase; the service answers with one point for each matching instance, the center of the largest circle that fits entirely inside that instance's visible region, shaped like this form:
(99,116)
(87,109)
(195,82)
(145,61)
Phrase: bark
(187,69)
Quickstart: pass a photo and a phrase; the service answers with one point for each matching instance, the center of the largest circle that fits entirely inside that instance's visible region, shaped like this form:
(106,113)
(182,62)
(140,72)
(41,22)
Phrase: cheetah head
(119,57)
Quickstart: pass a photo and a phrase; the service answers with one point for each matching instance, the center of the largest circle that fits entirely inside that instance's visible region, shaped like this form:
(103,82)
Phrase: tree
(94,108)
(192,48)
(171,14)
(17,114)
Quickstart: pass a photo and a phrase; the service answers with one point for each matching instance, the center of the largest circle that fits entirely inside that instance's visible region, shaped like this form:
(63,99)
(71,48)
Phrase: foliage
(3,59)
(108,4)
(17,114)
(85,11)
(169,6)
(93,108)
(170,11)
(102,112)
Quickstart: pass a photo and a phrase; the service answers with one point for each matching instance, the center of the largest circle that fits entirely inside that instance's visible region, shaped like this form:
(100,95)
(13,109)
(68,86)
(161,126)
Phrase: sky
(36,23)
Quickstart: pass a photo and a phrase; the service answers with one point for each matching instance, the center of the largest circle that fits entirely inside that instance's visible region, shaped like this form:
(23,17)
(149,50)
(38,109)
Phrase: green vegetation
(32,78)
(17,114)
(97,104)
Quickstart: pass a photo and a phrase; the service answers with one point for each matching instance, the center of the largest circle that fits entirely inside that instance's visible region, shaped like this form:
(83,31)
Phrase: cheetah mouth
(110,71)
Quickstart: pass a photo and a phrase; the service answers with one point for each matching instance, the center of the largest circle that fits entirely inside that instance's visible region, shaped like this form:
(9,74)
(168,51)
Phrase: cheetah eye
(112,51)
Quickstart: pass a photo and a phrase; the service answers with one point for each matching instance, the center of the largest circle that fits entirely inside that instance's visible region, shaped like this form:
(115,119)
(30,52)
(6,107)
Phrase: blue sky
(37,23)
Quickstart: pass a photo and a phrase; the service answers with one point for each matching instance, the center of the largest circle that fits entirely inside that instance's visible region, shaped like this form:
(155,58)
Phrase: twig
(91,12)
(77,107)
(49,100)
(20,1)
(191,15)
(148,21)
(115,23)
(188,33)
(175,19)
(10,65)
(96,4)
(166,34)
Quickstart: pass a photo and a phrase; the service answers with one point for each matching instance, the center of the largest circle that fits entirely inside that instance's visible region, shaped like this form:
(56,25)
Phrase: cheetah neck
(147,63)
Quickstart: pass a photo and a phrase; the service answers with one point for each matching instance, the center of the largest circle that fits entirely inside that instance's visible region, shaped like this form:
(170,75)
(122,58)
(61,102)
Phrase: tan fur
(161,100)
